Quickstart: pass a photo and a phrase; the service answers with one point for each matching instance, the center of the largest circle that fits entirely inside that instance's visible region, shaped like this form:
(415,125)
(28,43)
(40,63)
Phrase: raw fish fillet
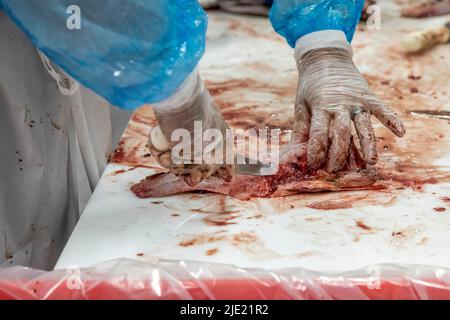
(293,177)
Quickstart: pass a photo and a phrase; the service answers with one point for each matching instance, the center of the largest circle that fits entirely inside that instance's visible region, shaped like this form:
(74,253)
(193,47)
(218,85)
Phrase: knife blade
(443,115)
(254,169)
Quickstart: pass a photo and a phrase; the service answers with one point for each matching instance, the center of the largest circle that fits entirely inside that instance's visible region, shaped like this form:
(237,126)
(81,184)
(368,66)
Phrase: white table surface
(399,226)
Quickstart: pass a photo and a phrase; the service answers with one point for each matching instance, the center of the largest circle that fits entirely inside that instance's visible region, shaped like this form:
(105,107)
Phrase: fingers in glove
(340,137)
(194,177)
(164,158)
(159,147)
(194,174)
(225,173)
(318,138)
(386,116)
(302,122)
(366,135)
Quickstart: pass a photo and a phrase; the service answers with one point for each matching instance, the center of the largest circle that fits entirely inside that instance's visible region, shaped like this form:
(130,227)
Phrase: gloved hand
(331,94)
(190,103)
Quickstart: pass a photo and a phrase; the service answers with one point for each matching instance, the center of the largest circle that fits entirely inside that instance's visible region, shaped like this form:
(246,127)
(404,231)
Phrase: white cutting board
(399,226)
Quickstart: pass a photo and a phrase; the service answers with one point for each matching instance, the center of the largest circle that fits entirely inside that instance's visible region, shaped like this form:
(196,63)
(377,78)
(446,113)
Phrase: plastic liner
(130,279)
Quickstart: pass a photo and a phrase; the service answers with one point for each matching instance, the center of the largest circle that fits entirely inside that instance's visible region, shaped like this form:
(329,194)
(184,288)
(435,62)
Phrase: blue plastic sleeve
(131,52)
(293,19)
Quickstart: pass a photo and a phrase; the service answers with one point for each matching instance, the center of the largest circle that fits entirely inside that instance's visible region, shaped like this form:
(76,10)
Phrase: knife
(256,169)
(443,115)
(425,39)
(252,167)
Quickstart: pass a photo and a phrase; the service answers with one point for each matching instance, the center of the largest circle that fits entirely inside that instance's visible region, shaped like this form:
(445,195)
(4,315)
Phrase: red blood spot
(362,225)
(413,77)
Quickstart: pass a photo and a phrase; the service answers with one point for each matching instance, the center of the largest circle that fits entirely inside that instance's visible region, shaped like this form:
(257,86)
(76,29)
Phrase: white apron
(53,149)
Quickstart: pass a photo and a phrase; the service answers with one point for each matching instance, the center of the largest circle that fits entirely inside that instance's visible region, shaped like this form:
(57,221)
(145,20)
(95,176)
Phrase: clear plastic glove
(331,94)
(191,103)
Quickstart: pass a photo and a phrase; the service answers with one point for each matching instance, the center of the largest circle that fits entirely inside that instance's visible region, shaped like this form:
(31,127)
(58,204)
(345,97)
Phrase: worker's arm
(131,52)
(332,92)
(184,119)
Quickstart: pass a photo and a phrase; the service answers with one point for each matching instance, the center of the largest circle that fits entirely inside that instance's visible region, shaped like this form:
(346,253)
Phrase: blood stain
(220,219)
(413,77)
(446,200)
(202,239)
(212,252)
(362,225)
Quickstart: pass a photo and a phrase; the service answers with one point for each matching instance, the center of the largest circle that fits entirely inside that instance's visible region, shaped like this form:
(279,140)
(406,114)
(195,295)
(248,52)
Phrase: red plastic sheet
(129,279)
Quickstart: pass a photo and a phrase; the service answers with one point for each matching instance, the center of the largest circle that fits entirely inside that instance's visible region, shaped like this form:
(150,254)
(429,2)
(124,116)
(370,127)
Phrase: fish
(293,177)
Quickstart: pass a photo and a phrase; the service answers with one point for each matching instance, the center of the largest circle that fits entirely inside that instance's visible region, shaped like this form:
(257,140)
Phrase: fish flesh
(293,177)
(248,187)
(428,8)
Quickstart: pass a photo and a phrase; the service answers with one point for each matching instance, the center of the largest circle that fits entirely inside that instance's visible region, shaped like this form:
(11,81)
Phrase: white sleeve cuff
(191,86)
(321,39)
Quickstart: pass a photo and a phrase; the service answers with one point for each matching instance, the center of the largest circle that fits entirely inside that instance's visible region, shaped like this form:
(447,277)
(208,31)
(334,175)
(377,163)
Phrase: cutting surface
(252,76)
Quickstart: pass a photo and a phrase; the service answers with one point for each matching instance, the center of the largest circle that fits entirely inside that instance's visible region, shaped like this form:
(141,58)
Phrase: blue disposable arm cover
(293,19)
(131,52)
